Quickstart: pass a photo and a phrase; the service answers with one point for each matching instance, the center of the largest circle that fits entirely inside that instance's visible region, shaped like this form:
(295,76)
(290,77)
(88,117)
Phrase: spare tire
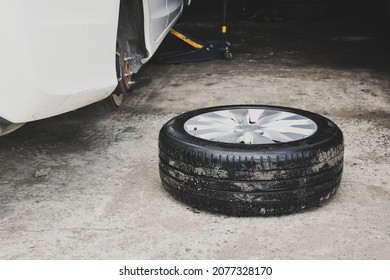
(250,160)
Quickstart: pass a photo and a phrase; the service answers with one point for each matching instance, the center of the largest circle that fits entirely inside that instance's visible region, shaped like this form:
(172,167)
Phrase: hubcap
(250,126)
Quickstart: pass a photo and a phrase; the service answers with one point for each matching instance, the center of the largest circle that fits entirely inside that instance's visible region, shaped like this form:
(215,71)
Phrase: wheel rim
(117,99)
(250,126)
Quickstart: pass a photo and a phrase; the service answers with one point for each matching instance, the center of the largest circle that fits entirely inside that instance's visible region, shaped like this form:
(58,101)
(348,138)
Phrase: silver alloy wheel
(250,126)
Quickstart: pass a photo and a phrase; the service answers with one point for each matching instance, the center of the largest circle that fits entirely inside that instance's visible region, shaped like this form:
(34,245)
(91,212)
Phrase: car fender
(56,56)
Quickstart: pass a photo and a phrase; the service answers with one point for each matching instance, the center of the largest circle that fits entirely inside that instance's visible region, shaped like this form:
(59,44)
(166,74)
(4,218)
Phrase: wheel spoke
(240,116)
(294,122)
(231,138)
(276,136)
(254,115)
(212,119)
(261,139)
(206,125)
(274,116)
(285,129)
(211,132)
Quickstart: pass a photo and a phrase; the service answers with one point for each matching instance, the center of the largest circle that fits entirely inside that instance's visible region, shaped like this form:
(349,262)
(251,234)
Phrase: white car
(60,55)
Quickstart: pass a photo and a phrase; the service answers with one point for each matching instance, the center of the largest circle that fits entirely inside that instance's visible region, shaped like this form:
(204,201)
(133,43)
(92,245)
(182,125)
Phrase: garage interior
(85,185)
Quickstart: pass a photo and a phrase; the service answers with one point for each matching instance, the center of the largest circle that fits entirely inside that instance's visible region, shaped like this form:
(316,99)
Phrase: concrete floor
(99,194)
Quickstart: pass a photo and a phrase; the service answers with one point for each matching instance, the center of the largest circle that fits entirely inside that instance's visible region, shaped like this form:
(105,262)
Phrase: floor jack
(203,50)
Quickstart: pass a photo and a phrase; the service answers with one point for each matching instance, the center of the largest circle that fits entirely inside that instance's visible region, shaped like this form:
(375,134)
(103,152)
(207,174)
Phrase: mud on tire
(256,166)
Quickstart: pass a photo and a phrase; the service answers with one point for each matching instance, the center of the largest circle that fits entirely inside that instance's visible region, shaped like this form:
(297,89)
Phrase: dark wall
(372,9)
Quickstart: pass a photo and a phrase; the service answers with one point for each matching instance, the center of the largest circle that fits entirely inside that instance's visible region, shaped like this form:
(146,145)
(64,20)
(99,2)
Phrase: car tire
(219,159)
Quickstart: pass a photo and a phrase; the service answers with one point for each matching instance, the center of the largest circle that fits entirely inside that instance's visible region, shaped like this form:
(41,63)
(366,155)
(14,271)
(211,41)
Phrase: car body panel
(156,18)
(174,9)
(53,57)
(58,56)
